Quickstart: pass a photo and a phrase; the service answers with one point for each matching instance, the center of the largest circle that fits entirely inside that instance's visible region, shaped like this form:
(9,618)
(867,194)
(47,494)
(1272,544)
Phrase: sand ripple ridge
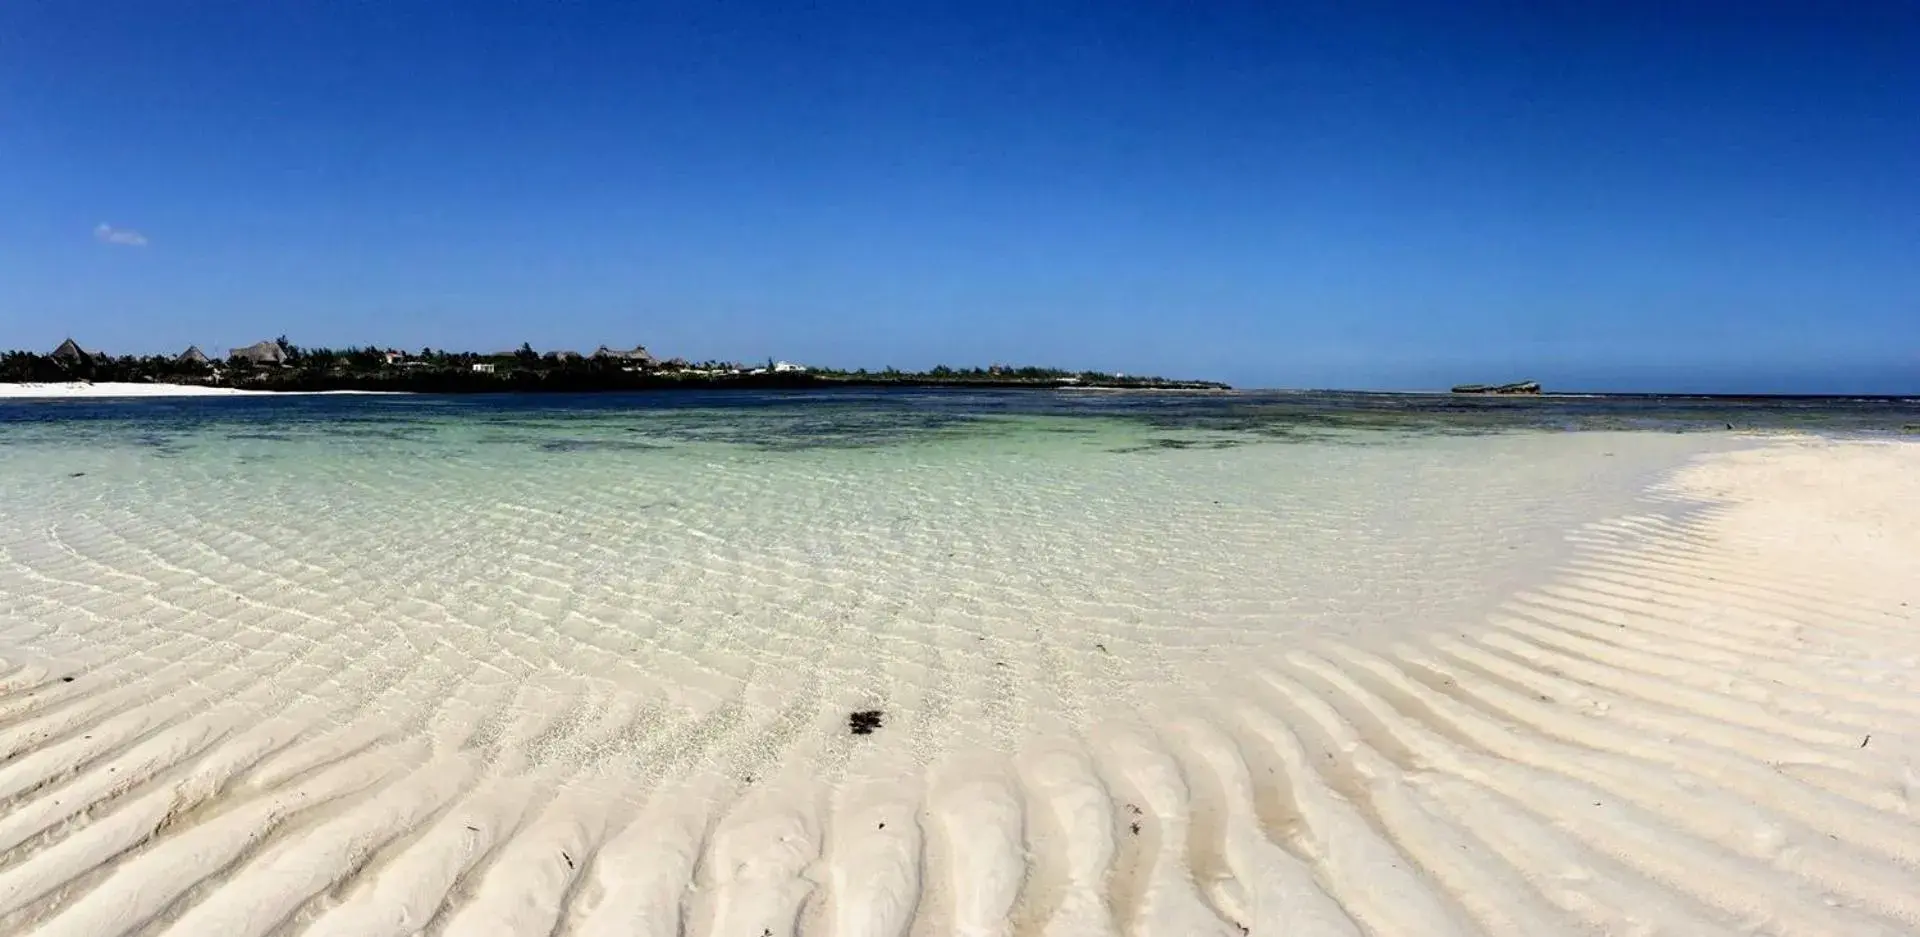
(1697,721)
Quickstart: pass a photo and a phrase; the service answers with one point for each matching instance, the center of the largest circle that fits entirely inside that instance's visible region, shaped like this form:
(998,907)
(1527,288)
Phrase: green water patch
(1126,423)
(599,445)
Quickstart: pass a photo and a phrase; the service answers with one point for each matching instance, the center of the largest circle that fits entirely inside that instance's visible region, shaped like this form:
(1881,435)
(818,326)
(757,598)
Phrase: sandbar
(89,389)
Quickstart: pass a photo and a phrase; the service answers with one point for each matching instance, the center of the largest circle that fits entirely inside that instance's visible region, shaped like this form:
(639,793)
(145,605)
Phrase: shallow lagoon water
(930,663)
(1095,536)
(1071,549)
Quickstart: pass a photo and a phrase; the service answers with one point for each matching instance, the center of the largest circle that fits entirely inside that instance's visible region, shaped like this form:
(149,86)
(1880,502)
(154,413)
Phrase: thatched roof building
(261,353)
(70,352)
(193,355)
(639,355)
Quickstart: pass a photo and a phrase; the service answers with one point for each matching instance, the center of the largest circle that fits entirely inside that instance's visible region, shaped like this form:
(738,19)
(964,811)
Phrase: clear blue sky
(1611,195)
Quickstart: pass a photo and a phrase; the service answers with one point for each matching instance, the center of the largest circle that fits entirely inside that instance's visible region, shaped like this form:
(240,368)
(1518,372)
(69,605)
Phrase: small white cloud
(125,237)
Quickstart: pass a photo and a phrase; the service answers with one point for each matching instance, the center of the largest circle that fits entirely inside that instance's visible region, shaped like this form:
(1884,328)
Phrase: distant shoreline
(279,366)
(95,390)
(457,384)
(462,382)
(90,390)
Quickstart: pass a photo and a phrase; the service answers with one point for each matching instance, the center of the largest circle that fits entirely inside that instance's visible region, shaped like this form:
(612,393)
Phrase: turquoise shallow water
(533,665)
(685,549)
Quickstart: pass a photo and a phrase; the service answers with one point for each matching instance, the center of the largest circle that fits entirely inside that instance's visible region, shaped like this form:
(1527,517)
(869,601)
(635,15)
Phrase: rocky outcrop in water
(1524,387)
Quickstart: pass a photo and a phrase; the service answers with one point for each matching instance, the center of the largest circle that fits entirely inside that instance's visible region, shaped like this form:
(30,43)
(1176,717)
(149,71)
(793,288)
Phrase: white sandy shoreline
(1703,724)
(88,389)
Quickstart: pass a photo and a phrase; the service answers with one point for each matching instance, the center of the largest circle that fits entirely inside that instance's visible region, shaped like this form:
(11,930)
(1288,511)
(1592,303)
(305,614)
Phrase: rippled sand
(486,679)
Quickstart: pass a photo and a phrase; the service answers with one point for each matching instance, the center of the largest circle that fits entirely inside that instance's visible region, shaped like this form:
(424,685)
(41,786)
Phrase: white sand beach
(78,389)
(1703,719)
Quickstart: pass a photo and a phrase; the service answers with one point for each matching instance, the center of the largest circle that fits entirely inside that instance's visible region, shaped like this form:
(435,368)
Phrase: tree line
(441,370)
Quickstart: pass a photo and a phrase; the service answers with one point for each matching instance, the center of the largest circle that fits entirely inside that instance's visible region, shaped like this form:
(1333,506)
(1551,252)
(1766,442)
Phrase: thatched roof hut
(638,355)
(193,355)
(70,352)
(268,352)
